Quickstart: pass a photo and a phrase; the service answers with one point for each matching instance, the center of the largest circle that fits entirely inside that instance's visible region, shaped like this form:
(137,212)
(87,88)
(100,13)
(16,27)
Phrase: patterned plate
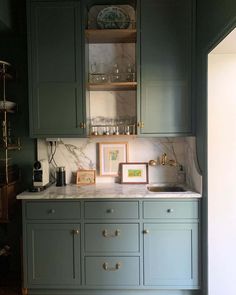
(113,17)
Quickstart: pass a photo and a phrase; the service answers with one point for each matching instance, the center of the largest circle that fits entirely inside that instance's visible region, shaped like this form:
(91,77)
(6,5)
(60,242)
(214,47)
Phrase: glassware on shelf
(98,73)
(130,73)
(115,75)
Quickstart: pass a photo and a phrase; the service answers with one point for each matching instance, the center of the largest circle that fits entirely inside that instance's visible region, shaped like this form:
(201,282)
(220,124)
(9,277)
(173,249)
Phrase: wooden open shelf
(112,86)
(111,36)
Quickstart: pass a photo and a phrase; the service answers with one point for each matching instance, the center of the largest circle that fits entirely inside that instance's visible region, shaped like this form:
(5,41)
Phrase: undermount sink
(160,189)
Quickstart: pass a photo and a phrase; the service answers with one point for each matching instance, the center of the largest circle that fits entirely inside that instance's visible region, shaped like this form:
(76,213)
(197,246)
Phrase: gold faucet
(164,161)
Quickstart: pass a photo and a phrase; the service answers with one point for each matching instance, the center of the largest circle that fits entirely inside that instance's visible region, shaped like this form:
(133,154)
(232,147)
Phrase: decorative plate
(113,17)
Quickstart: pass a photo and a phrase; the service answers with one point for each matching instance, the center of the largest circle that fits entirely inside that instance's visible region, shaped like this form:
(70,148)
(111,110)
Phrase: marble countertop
(104,191)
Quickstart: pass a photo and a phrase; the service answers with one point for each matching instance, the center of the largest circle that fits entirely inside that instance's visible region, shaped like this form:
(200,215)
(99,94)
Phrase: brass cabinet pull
(106,234)
(82,125)
(107,268)
(146,231)
(76,231)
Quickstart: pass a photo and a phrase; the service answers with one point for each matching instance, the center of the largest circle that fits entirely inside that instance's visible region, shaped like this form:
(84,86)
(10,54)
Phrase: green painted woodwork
(123,271)
(166,30)
(52,210)
(55,69)
(111,210)
(111,238)
(111,252)
(171,255)
(170,209)
(53,252)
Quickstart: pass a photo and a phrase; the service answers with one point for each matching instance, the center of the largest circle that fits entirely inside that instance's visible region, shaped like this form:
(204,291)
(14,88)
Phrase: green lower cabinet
(53,255)
(171,255)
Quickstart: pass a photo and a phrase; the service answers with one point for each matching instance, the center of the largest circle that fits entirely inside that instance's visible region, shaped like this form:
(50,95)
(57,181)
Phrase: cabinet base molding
(111,292)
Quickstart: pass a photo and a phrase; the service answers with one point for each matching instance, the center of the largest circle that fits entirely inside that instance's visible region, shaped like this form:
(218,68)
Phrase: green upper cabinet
(55,69)
(165,61)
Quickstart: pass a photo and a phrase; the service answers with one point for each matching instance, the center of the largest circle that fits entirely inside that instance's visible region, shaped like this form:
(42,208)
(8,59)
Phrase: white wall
(222,173)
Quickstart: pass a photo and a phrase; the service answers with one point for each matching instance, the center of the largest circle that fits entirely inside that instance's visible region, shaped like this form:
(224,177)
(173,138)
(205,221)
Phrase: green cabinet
(165,60)
(66,248)
(55,69)
(171,255)
(53,252)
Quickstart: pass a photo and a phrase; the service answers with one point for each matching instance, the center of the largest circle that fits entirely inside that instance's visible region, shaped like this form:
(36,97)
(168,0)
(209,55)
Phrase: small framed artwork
(134,173)
(111,154)
(85,177)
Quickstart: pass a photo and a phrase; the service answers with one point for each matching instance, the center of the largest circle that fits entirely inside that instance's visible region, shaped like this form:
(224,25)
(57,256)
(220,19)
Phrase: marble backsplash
(77,154)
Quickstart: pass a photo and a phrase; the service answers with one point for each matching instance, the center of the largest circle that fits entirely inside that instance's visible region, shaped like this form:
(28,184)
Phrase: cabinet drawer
(111,237)
(52,210)
(170,209)
(112,271)
(111,210)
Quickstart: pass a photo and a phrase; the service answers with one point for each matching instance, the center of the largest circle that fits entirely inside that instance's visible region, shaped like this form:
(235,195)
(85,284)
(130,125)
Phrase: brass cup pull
(76,231)
(146,231)
(107,268)
(106,234)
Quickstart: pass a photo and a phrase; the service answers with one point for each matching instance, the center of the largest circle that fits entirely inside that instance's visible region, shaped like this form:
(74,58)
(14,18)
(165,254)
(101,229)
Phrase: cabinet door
(53,254)
(55,69)
(171,255)
(165,57)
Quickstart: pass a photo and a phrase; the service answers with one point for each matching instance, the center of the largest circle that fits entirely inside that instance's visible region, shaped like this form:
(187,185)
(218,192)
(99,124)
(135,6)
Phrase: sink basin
(160,189)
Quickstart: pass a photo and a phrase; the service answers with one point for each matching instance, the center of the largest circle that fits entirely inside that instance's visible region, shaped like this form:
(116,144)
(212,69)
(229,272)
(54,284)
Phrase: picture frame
(85,177)
(134,173)
(111,154)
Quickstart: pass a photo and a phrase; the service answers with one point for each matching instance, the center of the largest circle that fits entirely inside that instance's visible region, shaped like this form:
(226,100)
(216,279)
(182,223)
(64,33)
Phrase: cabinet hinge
(82,125)
(140,124)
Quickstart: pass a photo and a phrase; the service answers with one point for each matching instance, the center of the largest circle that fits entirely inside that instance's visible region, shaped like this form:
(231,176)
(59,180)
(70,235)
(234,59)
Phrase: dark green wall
(215,19)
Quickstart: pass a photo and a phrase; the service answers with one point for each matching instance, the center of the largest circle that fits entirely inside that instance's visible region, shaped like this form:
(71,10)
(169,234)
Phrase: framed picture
(111,154)
(85,177)
(134,173)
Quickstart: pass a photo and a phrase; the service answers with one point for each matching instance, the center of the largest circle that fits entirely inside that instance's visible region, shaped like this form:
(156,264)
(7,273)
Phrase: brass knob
(52,211)
(146,231)
(76,231)
(110,210)
(170,210)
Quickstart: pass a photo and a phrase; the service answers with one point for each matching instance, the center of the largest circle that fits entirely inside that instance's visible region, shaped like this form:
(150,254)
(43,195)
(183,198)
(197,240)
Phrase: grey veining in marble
(106,191)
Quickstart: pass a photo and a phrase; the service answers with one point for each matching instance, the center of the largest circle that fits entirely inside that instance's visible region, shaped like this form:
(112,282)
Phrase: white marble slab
(104,191)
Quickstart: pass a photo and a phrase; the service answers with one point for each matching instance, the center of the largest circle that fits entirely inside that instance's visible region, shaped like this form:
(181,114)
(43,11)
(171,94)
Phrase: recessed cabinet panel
(53,28)
(53,252)
(171,255)
(111,210)
(165,69)
(112,271)
(50,210)
(56,109)
(111,237)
